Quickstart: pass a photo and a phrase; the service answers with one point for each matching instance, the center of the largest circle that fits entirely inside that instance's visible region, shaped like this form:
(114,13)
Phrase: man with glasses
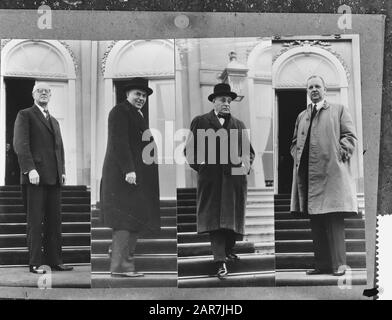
(323,185)
(39,147)
(222,166)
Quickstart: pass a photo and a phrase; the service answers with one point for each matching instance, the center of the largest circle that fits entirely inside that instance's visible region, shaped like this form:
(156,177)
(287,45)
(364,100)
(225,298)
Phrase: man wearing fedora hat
(130,186)
(222,181)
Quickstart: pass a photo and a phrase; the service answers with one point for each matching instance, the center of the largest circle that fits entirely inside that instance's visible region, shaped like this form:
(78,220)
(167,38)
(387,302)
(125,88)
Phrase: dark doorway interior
(18,97)
(121,96)
(290,104)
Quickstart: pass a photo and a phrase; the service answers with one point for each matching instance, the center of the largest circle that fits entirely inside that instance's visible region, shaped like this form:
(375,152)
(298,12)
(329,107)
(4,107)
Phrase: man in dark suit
(40,151)
(219,150)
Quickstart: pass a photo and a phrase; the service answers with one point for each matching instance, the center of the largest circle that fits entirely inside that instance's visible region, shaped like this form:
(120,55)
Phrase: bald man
(39,147)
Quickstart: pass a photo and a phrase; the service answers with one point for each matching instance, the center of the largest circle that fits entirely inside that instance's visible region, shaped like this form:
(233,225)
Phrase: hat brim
(230,94)
(148,90)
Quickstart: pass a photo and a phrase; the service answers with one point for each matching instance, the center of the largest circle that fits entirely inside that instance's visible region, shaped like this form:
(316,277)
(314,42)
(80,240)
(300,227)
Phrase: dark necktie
(47,117)
(305,152)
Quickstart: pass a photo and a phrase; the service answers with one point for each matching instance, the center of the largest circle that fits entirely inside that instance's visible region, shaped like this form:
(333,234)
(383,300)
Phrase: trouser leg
(218,245)
(35,207)
(120,250)
(336,240)
(132,243)
(320,242)
(52,226)
(230,241)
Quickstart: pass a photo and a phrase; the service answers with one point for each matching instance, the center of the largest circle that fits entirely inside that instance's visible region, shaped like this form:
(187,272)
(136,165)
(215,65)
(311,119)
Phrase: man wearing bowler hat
(40,151)
(130,186)
(218,148)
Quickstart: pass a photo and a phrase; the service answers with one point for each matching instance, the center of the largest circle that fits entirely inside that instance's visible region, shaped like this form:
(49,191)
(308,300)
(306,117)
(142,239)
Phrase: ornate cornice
(147,73)
(37,74)
(106,54)
(4,43)
(72,54)
(313,43)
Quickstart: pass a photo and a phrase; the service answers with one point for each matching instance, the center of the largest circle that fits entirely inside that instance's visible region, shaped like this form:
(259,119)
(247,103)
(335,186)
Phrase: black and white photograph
(225,219)
(319,196)
(45,175)
(134,234)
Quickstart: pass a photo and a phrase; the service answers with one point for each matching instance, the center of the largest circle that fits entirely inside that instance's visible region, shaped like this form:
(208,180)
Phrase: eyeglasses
(43,91)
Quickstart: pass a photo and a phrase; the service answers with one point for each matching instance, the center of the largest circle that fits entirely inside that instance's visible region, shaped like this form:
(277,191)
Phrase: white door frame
(69,76)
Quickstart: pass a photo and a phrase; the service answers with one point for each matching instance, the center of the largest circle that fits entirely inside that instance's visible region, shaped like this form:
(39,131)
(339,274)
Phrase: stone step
(286,215)
(104,280)
(165,222)
(67,227)
(144,246)
(204,265)
(20,256)
(186,196)
(296,246)
(186,190)
(251,279)
(305,234)
(65,216)
(192,237)
(65,188)
(68,239)
(186,218)
(249,228)
(64,194)
(299,278)
(306,260)
(64,208)
(64,201)
(305,224)
(204,248)
(164,212)
(106,233)
(144,263)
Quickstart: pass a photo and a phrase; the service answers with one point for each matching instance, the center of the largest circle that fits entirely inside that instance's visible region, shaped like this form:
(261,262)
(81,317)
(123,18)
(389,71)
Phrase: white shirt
(41,109)
(318,104)
(221,120)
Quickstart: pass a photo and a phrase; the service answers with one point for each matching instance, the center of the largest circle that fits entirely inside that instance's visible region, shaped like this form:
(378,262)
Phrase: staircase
(195,263)
(156,257)
(75,213)
(294,247)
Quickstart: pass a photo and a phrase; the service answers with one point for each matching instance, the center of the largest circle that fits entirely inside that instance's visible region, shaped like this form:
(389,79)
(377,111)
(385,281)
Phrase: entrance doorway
(18,97)
(290,104)
(121,96)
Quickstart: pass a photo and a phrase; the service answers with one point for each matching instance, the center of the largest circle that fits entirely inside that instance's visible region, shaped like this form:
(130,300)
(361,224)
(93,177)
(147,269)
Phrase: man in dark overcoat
(218,148)
(323,184)
(130,186)
(39,147)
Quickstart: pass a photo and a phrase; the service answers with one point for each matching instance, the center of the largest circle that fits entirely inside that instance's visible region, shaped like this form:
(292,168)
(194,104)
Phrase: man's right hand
(34,177)
(130,177)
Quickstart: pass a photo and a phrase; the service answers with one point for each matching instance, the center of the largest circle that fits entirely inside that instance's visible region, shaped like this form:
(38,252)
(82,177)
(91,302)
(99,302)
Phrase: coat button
(303,133)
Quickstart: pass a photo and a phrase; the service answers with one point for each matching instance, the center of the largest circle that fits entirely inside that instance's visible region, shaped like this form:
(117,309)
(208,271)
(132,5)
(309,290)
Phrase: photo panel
(319,195)
(216,207)
(134,234)
(45,136)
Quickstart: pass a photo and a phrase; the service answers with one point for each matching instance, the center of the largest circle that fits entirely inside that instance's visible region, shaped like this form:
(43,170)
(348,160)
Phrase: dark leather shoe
(222,270)
(232,257)
(36,269)
(61,267)
(338,273)
(315,272)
